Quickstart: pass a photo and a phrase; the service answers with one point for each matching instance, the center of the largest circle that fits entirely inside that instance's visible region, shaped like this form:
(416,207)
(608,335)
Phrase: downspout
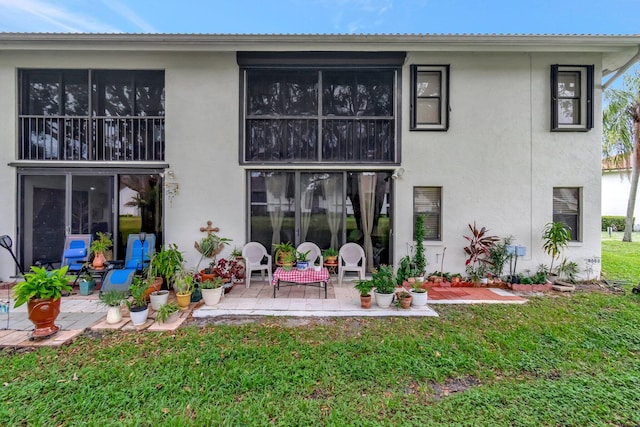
(622,69)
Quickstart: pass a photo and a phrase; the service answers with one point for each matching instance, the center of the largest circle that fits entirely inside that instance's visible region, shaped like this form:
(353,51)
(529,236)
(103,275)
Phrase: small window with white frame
(430,97)
(566,209)
(571,97)
(427,202)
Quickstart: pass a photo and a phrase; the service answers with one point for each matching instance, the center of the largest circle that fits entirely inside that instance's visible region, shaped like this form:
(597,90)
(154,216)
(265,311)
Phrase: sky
(322,16)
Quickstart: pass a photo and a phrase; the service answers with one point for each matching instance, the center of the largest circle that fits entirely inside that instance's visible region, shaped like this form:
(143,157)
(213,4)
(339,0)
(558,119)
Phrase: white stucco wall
(615,195)
(497,163)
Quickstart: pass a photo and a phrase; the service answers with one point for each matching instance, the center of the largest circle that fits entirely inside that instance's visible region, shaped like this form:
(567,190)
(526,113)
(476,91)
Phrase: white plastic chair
(314,252)
(351,258)
(254,254)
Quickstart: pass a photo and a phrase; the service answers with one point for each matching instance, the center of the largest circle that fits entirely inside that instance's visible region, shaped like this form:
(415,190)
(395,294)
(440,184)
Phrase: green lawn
(621,260)
(569,360)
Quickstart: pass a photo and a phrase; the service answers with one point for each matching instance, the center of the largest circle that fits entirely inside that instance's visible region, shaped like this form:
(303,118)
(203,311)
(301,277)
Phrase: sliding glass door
(54,203)
(326,208)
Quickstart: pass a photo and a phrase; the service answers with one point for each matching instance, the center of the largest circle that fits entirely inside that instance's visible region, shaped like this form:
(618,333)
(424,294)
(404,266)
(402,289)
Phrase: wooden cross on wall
(209,229)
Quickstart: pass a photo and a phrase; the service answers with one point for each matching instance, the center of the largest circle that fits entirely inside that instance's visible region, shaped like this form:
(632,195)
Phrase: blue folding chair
(140,249)
(75,255)
(118,279)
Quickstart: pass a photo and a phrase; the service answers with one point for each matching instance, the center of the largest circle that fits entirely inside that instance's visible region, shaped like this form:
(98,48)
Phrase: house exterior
(323,138)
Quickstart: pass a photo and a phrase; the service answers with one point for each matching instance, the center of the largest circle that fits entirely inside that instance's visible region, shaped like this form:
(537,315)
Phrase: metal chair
(256,258)
(351,258)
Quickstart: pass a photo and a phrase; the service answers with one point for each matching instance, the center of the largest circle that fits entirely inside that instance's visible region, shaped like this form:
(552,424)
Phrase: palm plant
(620,136)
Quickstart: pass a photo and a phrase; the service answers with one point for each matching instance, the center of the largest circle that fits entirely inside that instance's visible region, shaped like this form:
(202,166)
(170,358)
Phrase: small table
(332,267)
(301,277)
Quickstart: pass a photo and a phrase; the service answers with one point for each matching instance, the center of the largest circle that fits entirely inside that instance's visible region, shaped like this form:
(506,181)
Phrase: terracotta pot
(405,302)
(365,302)
(98,261)
(42,313)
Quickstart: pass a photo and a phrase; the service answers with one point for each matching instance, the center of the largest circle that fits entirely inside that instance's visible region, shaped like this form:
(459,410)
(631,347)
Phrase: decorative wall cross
(209,229)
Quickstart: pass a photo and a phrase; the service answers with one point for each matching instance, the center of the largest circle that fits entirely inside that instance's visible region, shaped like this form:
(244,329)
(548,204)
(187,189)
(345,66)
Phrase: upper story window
(571,97)
(427,201)
(296,111)
(429,97)
(566,209)
(103,115)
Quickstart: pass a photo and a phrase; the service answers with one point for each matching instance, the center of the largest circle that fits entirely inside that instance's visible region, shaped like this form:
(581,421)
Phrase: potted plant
(365,287)
(419,261)
(113,299)
(282,251)
(385,285)
(41,290)
(138,308)
(210,247)
(166,264)
(403,299)
(302,260)
(404,273)
(478,251)
(184,287)
(86,284)
(158,298)
(212,290)
(330,256)
(555,237)
(288,261)
(419,295)
(227,270)
(168,313)
(99,247)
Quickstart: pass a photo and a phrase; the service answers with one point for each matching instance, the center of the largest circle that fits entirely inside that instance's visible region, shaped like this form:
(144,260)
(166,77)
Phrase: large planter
(139,315)
(183,300)
(419,299)
(42,313)
(212,296)
(158,299)
(384,300)
(114,315)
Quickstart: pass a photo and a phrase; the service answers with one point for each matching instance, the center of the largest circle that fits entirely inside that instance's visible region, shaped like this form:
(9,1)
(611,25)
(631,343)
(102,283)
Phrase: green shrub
(617,222)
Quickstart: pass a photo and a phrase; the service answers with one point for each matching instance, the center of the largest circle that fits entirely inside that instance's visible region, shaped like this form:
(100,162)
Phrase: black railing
(91,139)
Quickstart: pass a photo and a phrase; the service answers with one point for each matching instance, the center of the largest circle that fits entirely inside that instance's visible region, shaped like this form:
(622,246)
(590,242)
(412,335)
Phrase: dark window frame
(444,99)
(386,129)
(576,232)
(434,236)
(585,97)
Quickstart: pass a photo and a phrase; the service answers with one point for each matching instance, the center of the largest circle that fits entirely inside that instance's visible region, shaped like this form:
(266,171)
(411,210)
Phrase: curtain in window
(306,201)
(276,198)
(333,201)
(367,190)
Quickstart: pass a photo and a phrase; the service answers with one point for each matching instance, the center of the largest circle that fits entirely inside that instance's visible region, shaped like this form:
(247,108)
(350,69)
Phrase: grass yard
(570,360)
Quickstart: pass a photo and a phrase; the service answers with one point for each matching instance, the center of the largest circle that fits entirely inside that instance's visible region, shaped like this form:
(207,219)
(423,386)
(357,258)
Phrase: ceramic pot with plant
(86,284)
(212,291)
(168,313)
(365,287)
(158,298)
(282,251)
(385,285)
(330,256)
(138,307)
(184,286)
(419,295)
(404,299)
(302,260)
(99,247)
(113,299)
(41,290)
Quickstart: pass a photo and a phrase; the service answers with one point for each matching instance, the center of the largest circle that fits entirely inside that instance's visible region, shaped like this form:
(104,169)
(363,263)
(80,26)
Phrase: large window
(571,98)
(429,97)
(91,115)
(311,114)
(566,209)
(427,203)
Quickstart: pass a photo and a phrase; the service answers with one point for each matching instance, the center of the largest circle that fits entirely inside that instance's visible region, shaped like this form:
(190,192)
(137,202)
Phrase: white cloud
(124,11)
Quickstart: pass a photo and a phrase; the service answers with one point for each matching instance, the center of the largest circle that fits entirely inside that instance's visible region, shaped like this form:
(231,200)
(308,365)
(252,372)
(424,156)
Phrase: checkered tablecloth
(300,276)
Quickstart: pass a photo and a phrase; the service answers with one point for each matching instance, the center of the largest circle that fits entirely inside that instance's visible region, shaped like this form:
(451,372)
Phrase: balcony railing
(91,139)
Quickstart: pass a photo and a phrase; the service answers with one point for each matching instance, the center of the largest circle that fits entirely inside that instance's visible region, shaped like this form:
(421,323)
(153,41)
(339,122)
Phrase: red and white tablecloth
(300,276)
